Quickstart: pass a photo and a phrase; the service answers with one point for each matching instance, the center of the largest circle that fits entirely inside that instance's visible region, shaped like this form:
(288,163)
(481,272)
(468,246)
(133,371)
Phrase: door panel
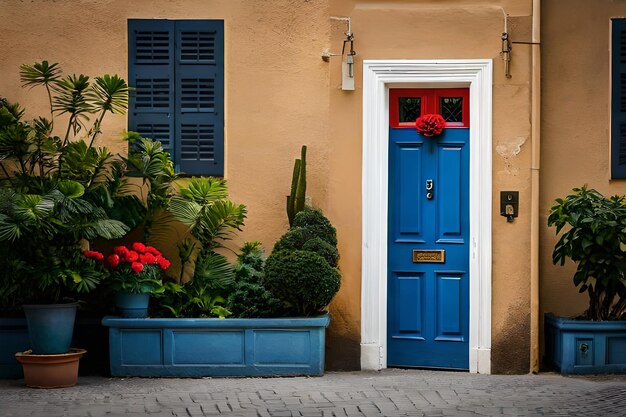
(428,302)
(449,199)
(449,307)
(409,293)
(408,227)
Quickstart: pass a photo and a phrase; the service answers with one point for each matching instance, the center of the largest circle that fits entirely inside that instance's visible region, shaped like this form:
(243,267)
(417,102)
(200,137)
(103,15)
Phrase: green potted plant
(593,235)
(57,194)
(135,275)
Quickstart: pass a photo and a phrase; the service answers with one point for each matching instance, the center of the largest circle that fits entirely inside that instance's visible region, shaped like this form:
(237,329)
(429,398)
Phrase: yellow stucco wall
(280,94)
(575,127)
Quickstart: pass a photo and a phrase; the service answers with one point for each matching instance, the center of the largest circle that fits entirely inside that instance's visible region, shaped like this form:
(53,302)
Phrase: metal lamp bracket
(347,69)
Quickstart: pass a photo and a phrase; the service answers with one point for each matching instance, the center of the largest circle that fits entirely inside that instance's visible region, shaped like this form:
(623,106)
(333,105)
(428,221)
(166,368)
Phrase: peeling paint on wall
(509,150)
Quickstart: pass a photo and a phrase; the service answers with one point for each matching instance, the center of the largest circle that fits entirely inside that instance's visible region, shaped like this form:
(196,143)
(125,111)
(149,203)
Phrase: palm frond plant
(202,205)
(150,162)
(64,190)
(58,191)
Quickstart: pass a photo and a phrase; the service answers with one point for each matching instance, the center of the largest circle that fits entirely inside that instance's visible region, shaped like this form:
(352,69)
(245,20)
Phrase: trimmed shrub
(316,224)
(302,279)
(308,224)
(324,249)
(294,239)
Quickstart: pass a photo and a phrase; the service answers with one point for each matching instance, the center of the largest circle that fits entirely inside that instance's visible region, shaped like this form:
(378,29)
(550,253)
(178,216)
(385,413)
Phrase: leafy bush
(296,237)
(302,279)
(595,238)
(63,192)
(252,299)
(315,222)
(190,300)
(200,297)
(324,249)
(59,189)
(249,297)
(312,231)
(301,271)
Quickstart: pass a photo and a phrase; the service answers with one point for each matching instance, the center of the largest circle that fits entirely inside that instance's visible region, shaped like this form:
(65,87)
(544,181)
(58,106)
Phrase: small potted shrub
(594,237)
(135,275)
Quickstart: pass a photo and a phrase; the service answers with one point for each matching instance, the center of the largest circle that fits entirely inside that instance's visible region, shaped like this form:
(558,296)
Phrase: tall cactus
(295,201)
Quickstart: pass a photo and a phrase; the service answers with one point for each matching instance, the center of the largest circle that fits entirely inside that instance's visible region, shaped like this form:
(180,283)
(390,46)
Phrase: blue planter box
(14,338)
(216,347)
(585,347)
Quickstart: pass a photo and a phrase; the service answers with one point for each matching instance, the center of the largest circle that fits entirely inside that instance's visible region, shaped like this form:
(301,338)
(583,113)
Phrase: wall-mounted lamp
(347,66)
(519,32)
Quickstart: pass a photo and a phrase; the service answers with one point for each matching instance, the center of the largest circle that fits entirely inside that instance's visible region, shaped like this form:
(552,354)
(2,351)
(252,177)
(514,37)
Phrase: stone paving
(387,393)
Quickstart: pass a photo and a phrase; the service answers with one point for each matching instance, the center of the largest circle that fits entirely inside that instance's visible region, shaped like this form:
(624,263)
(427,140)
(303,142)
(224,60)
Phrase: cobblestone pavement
(386,393)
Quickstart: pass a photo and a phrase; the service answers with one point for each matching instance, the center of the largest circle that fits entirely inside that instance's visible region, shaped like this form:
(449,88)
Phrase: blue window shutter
(618,99)
(199,98)
(151,74)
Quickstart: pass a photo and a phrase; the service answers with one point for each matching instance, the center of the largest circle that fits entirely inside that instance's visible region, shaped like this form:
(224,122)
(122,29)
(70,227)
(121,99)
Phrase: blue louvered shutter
(177,70)
(151,73)
(618,99)
(200,96)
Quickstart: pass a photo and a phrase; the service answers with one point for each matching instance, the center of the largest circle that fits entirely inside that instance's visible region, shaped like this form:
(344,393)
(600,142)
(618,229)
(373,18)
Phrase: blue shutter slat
(618,99)
(200,96)
(151,74)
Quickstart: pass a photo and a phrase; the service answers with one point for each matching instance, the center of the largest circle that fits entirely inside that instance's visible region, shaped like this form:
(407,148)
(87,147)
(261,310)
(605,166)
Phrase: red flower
(137,267)
(113,260)
(139,247)
(430,124)
(92,254)
(130,256)
(120,250)
(162,262)
(153,250)
(147,258)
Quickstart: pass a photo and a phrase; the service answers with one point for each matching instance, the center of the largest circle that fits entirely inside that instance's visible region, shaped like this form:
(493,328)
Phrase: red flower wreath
(430,124)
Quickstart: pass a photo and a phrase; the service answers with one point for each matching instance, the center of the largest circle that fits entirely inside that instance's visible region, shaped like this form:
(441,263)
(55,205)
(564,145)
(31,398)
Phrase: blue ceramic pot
(50,327)
(132,305)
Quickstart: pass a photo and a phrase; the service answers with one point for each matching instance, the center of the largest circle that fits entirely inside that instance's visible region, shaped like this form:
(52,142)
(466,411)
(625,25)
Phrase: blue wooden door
(428,292)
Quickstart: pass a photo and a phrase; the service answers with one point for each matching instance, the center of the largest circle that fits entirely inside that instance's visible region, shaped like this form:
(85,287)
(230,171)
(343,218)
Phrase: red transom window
(407,104)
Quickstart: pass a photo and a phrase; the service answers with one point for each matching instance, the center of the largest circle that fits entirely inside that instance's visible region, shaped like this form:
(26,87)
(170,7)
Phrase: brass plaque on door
(429,255)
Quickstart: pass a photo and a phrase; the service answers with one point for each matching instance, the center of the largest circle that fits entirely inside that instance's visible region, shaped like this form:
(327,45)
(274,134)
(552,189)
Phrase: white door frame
(378,77)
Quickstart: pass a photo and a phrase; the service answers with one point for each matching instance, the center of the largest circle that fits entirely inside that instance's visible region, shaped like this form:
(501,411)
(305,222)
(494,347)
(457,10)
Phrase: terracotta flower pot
(50,371)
